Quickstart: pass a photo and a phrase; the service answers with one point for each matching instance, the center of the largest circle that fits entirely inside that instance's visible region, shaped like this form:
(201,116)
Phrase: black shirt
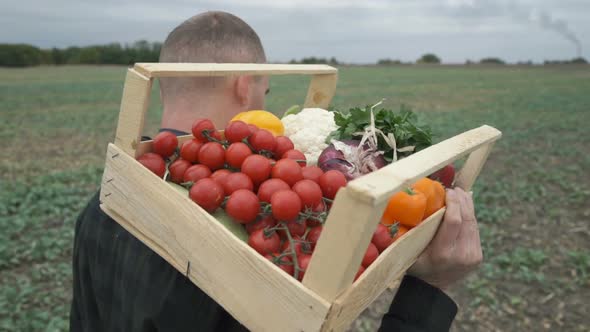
(120,284)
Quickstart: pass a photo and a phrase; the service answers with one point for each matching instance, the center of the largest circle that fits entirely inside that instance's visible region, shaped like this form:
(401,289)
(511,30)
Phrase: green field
(532,199)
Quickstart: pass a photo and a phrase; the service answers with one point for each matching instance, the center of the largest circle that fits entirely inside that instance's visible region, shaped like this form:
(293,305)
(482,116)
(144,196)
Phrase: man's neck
(182,116)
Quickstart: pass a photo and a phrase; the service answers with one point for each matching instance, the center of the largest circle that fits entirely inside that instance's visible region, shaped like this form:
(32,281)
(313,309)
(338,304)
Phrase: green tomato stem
(293,254)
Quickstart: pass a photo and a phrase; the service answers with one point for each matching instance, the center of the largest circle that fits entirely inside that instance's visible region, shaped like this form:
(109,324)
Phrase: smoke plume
(557,25)
(518,11)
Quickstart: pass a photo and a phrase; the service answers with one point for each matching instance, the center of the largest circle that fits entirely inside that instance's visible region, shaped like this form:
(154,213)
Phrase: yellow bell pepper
(263,120)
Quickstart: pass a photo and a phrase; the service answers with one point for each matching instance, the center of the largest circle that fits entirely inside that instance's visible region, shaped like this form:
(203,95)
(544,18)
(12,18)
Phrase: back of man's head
(210,37)
(213,37)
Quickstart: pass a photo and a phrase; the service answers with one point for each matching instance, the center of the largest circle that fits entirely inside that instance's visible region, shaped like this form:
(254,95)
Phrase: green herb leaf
(403,125)
(292,110)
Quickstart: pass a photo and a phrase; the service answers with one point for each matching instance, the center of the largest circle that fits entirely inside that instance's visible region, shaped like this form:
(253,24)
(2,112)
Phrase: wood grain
(340,250)
(248,286)
(472,167)
(377,187)
(134,104)
(384,273)
(321,90)
(226,69)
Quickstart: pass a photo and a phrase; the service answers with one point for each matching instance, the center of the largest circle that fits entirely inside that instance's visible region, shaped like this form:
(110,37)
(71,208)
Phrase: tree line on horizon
(25,55)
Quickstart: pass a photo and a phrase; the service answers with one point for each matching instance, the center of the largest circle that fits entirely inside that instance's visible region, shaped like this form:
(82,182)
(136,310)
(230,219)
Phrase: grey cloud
(522,12)
(354,31)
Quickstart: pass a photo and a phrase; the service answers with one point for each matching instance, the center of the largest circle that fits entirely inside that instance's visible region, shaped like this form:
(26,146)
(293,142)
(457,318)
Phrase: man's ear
(242,90)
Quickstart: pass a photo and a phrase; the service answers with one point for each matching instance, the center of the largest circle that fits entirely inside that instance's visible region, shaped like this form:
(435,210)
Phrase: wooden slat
(134,104)
(340,250)
(225,69)
(377,187)
(321,90)
(472,167)
(248,286)
(359,206)
(389,267)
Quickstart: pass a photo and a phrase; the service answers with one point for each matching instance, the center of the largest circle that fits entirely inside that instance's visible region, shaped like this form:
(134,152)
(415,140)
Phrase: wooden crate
(248,286)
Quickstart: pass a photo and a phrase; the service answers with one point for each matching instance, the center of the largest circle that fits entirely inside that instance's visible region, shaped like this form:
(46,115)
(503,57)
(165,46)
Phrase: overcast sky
(351,30)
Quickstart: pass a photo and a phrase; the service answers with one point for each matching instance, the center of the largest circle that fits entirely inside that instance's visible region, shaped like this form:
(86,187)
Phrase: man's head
(212,37)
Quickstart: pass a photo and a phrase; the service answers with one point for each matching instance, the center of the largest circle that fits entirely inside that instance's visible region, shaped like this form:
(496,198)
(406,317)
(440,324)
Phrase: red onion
(349,158)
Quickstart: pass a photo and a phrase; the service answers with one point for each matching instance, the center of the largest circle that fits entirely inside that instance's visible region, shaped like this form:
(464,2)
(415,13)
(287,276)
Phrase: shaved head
(210,37)
(213,37)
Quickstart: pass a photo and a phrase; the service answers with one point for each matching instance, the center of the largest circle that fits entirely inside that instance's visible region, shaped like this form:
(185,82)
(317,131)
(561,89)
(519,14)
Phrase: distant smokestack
(557,25)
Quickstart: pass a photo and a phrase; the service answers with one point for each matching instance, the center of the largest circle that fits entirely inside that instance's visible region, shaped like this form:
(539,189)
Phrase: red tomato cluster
(260,181)
(385,235)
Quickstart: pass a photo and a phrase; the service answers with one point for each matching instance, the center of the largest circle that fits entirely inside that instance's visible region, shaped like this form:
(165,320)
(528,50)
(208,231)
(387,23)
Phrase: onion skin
(340,165)
(331,158)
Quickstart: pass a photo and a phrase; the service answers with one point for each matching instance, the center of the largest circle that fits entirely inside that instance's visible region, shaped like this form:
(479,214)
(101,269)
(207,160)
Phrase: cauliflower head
(308,131)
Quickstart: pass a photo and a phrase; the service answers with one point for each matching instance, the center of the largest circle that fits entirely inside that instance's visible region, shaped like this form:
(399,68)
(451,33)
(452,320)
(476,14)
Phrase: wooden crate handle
(358,207)
(465,178)
(139,80)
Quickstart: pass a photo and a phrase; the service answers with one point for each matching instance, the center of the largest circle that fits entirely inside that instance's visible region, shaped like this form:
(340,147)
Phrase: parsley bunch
(403,125)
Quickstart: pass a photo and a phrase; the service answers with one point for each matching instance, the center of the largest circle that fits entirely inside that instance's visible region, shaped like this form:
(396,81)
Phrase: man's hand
(455,250)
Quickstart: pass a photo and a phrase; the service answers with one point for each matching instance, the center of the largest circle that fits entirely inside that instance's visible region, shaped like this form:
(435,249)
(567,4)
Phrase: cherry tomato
(320,207)
(220,176)
(309,192)
(370,255)
(284,144)
(189,150)
(382,238)
(154,162)
(269,187)
(261,223)
(312,173)
(243,206)
(177,169)
(236,181)
(264,241)
(216,135)
(445,175)
(360,271)
(257,167)
(252,128)
(263,140)
(165,144)
(285,263)
(314,235)
(286,205)
(236,131)
(303,261)
(331,181)
(208,194)
(201,125)
(295,155)
(236,154)
(311,222)
(212,155)
(296,228)
(196,173)
(300,246)
(287,170)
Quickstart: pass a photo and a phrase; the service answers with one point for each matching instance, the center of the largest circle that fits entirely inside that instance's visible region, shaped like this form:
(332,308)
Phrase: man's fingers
(469,227)
(468,241)
(449,228)
(467,208)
